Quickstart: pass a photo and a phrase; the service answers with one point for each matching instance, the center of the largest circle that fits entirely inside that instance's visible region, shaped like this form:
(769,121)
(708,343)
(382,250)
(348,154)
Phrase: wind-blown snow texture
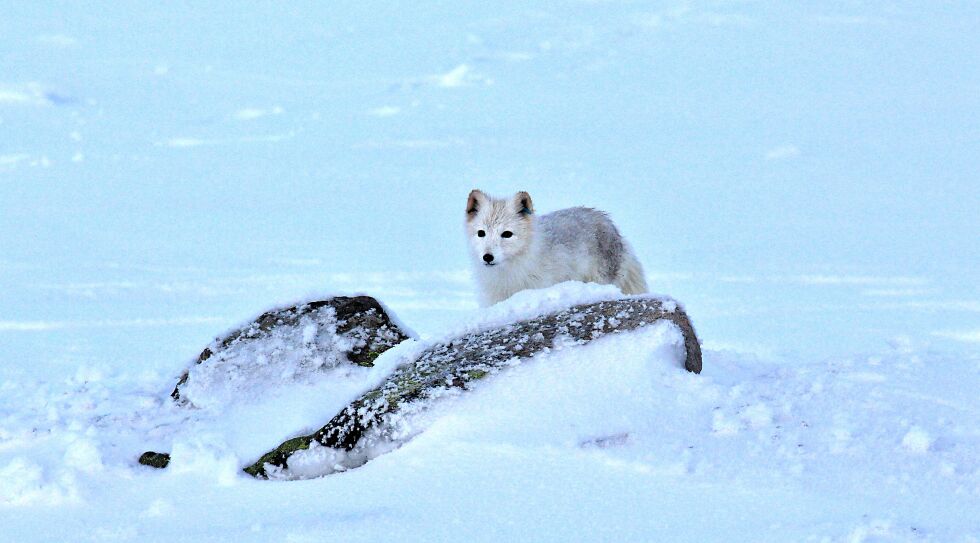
(801,175)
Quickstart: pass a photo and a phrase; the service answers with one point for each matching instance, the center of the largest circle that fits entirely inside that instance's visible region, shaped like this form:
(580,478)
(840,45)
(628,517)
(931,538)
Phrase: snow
(611,440)
(801,177)
(533,303)
(246,370)
(917,441)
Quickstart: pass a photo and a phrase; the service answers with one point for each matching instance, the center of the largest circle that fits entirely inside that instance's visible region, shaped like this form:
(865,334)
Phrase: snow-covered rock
(287,346)
(383,418)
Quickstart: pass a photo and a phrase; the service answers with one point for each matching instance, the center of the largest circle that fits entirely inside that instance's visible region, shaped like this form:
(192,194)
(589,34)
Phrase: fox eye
(481,233)
(507,234)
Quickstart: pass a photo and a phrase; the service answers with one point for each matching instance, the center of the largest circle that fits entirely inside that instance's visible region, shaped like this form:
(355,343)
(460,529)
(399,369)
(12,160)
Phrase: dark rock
(371,423)
(311,337)
(155,459)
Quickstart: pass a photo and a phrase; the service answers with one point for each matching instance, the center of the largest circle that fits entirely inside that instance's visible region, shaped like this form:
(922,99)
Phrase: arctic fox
(513,249)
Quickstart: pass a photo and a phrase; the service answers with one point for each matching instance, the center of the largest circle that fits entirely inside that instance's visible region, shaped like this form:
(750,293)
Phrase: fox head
(498,229)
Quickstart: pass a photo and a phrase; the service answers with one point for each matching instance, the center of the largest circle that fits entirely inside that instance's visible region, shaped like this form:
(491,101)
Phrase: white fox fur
(519,250)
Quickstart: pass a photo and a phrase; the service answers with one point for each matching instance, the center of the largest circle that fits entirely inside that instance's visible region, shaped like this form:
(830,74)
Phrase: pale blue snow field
(803,176)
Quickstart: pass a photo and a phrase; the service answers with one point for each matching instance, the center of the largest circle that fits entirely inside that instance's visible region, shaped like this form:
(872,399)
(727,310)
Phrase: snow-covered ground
(610,441)
(803,177)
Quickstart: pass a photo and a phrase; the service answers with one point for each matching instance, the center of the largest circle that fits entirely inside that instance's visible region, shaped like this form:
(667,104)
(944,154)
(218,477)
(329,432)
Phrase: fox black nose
(488,258)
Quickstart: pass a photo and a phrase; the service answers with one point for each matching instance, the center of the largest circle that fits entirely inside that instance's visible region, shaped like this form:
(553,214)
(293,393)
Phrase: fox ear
(523,203)
(475,202)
